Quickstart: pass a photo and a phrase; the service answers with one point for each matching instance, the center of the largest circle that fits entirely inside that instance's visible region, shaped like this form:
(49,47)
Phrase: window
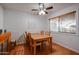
(65,23)
(54,25)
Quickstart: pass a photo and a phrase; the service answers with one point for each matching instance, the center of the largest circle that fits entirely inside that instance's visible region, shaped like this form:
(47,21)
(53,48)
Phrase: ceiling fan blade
(34,9)
(49,8)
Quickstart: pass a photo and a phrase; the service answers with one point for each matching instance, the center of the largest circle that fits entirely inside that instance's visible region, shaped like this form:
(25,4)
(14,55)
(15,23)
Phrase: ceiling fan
(42,10)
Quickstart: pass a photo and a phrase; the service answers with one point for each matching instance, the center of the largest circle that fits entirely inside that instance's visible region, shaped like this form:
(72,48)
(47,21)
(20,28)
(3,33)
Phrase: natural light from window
(65,23)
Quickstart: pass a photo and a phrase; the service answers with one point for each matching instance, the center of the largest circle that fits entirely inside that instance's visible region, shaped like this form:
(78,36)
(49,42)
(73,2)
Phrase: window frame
(60,20)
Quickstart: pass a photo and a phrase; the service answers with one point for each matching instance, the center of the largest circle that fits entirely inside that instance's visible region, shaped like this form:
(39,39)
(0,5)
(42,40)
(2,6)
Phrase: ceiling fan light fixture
(42,12)
(42,9)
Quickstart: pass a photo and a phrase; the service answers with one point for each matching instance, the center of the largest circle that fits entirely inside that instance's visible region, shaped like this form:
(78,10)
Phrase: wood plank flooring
(57,50)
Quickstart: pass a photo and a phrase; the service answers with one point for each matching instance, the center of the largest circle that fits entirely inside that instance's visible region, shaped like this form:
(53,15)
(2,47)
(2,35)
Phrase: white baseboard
(67,47)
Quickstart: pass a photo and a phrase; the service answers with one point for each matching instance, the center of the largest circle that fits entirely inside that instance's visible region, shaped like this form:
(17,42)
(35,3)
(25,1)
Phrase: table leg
(34,47)
(51,44)
(1,53)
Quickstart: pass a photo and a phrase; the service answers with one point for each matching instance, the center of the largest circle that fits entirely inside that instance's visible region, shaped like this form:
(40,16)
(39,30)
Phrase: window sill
(64,33)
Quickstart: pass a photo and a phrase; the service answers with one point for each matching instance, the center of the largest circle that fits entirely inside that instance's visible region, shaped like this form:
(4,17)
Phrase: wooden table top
(37,37)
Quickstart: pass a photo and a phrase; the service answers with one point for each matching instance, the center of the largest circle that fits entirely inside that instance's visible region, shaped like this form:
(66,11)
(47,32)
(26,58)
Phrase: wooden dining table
(41,38)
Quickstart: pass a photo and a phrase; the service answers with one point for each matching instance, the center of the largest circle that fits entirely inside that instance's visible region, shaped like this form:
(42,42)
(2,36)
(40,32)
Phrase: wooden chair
(8,36)
(26,37)
(4,44)
(31,43)
(1,48)
(42,32)
(2,38)
(47,33)
(5,40)
(46,42)
(35,34)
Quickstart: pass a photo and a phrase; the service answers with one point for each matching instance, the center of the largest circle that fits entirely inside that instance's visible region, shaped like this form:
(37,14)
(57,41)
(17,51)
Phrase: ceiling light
(42,12)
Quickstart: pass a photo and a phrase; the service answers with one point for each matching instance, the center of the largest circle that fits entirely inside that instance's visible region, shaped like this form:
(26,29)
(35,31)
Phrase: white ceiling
(27,7)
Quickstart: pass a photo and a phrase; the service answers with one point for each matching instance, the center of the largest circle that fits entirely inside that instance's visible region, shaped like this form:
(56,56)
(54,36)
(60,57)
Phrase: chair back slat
(42,32)
(30,40)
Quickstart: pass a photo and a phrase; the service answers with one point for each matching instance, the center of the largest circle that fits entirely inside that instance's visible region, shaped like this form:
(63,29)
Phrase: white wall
(1,17)
(70,41)
(19,22)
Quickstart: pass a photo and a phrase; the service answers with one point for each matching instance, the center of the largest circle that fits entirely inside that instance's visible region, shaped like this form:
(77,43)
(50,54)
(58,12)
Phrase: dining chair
(1,48)
(2,38)
(8,36)
(25,34)
(26,37)
(35,33)
(31,43)
(4,44)
(47,33)
(47,40)
(42,32)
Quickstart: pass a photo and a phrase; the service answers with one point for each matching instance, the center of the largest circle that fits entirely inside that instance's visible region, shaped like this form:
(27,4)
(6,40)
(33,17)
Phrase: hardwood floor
(57,50)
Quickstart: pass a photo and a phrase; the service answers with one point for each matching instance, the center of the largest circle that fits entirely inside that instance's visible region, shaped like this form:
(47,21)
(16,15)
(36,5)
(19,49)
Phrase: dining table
(41,38)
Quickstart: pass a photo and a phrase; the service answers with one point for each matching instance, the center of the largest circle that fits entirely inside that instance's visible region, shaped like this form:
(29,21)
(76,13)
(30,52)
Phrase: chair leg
(40,46)
(31,49)
(35,50)
(48,44)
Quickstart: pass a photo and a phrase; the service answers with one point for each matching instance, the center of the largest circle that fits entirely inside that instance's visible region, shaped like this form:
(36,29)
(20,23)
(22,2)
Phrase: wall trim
(67,47)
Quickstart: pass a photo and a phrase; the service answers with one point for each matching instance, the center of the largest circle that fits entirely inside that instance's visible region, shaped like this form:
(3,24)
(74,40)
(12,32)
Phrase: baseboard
(67,47)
